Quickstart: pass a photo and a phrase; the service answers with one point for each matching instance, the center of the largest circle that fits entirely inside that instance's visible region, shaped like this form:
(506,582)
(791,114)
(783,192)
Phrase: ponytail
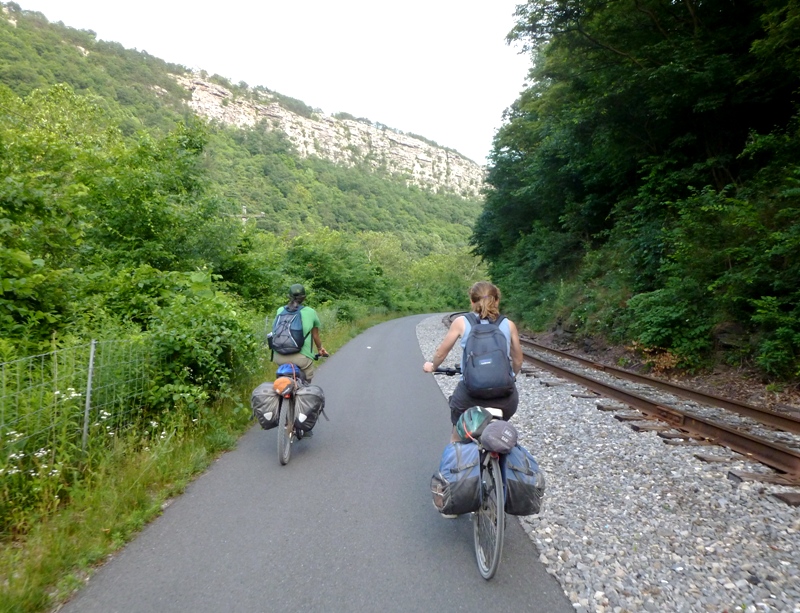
(485,299)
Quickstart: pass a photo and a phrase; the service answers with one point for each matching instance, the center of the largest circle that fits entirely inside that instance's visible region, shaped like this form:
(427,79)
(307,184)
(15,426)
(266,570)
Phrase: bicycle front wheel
(285,431)
(489,521)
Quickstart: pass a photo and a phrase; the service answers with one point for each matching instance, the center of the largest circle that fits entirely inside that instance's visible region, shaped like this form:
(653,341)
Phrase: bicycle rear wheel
(285,431)
(489,521)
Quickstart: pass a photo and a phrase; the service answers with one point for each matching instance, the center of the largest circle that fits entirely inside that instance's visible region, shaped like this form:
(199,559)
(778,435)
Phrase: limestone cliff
(341,141)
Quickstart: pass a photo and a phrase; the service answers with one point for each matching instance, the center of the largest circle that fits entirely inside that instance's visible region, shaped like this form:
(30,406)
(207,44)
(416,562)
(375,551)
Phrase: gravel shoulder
(630,524)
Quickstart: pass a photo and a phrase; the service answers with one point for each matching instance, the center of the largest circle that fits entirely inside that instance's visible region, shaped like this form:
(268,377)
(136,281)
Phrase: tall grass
(125,486)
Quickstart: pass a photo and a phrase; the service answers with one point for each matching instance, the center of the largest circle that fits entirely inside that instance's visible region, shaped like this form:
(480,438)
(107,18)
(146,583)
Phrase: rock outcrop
(341,141)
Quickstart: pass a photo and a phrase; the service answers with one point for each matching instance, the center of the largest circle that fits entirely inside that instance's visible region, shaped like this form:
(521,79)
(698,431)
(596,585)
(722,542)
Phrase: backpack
(524,482)
(485,368)
(287,332)
(456,486)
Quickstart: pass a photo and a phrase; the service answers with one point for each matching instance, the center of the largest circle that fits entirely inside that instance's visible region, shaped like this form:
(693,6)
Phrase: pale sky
(437,68)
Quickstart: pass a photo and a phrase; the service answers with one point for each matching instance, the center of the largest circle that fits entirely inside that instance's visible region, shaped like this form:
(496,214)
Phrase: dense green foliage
(645,185)
(124,217)
(114,195)
(121,217)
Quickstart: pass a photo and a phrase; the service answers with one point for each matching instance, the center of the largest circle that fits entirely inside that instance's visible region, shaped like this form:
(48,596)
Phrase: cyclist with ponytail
(485,303)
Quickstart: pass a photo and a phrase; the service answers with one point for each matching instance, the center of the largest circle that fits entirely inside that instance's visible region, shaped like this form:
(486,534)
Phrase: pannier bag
(456,487)
(485,367)
(524,482)
(310,402)
(287,335)
(499,436)
(266,403)
(471,423)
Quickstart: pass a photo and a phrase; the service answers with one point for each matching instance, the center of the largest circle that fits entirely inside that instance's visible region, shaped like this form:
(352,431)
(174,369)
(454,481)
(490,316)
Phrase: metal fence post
(88,396)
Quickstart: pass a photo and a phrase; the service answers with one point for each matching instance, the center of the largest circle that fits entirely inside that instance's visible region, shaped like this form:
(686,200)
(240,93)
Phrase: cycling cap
(297,291)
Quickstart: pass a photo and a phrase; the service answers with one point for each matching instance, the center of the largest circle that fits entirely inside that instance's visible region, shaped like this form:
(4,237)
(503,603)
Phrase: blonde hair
(485,298)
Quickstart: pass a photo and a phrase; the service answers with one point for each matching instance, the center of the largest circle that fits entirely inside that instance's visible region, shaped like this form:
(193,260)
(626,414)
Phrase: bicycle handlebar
(448,371)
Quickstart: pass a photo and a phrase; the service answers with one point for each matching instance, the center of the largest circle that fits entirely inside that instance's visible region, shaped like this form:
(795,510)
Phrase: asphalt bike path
(348,525)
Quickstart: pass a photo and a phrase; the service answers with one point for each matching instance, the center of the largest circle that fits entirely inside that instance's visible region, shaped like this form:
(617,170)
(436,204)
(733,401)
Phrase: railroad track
(686,415)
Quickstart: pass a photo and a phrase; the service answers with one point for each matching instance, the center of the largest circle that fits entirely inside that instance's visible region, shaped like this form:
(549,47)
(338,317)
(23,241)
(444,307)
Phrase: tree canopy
(644,186)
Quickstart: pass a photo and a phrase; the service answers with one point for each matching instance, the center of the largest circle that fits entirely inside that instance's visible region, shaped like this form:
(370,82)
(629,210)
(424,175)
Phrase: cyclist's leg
(510,404)
(459,402)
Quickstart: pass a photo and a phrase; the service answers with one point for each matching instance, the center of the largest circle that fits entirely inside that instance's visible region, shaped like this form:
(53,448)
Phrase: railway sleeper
(774,478)
(790,498)
(609,408)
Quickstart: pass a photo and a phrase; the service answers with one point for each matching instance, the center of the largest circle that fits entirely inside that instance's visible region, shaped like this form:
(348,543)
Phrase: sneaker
(445,515)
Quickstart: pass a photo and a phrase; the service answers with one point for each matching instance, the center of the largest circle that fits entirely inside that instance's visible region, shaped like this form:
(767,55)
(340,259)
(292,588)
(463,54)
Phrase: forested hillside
(169,241)
(646,186)
(118,205)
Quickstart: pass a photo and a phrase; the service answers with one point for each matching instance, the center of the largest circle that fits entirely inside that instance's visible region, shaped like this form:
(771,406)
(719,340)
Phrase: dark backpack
(485,368)
(287,332)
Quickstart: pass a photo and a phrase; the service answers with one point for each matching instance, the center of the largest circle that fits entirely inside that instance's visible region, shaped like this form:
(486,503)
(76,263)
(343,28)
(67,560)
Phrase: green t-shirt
(310,321)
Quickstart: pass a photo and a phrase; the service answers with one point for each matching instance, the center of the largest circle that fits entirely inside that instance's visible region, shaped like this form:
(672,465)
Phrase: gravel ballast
(630,524)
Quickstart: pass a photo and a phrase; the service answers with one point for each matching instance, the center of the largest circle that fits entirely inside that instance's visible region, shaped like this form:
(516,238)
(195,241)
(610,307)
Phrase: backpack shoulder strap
(472,318)
(499,320)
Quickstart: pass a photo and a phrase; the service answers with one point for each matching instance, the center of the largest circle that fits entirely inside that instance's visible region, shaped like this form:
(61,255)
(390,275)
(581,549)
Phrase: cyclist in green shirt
(311,325)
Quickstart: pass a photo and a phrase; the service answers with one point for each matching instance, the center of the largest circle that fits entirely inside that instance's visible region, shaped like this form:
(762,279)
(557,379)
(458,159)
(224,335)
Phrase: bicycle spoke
(490,521)
(285,431)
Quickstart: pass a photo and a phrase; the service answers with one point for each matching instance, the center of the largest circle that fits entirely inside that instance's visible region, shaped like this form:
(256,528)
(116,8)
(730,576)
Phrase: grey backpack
(485,367)
(287,335)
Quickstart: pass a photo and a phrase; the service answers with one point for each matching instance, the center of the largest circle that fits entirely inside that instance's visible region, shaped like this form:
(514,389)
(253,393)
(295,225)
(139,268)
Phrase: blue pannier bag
(456,486)
(524,482)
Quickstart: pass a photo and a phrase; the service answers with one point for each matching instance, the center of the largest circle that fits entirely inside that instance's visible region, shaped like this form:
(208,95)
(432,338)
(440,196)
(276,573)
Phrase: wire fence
(56,403)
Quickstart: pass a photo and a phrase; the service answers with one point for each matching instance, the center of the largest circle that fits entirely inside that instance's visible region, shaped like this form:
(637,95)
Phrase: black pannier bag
(310,402)
(456,487)
(266,403)
(524,482)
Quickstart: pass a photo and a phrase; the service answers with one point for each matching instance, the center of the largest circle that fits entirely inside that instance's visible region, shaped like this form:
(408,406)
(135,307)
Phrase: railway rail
(759,434)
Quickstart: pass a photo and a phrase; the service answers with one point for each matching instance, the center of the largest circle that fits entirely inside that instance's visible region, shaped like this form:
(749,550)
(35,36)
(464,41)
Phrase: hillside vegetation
(116,196)
(646,186)
(126,218)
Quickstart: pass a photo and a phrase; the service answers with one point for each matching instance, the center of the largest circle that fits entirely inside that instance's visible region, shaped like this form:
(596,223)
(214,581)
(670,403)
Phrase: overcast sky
(437,68)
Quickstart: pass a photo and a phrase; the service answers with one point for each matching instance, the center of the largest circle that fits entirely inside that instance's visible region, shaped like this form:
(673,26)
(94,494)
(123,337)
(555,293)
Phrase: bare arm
(318,342)
(456,330)
(516,348)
